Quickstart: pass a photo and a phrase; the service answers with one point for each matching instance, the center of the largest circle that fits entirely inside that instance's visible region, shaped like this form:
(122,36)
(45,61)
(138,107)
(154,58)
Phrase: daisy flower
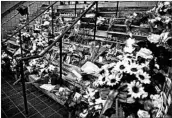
(114,79)
(121,66)
(143,77)
(136,90)
(133,68)
(112,82)
(102,80)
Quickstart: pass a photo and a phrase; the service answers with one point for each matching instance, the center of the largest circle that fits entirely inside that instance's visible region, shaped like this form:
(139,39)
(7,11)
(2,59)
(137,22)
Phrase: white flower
(154,38)
(96,83)
(106,73)
(130,41)
(112,80)
(121,66)
(143,77)
(83,114)
(51,67)
(133,68)
(129,49)
(136,90)
(25,34)
(143,114)
(100,20)
(129,45)
(157,101)
(100,101)
(33,62)
(98,107)
(144,53)
(167,3)
(102,80)
(111,65)
(46,23)
(90,92)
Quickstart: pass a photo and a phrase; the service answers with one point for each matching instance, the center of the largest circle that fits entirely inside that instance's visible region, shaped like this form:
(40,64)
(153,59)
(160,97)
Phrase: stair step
(121,34)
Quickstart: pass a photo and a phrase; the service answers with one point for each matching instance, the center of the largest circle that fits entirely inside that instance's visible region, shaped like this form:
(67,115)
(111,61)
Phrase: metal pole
(52,20)
(27,26)
(22,76)
(60,46)
(95,25)
(75,9)
(117,8)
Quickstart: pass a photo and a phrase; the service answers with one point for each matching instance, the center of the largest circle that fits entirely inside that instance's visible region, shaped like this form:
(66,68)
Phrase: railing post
(75,9)
(60,46)
(52,20)
(117,8)
(95,22)
(22,75)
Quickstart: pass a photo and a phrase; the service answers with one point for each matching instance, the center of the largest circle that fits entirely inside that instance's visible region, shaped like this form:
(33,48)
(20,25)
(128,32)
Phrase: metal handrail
(59,37)
(29,22)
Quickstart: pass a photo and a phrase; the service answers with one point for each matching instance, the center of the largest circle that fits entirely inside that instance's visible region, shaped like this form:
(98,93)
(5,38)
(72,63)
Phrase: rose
(144,53)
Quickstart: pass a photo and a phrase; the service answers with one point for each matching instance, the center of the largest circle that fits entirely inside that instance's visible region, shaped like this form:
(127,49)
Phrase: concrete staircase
(105,9)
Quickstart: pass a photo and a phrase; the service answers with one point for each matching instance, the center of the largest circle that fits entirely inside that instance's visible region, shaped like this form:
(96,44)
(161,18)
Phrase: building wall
(14,21)
(5,5)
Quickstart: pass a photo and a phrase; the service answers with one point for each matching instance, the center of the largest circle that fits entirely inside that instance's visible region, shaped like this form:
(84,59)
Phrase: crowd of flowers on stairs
(99,77)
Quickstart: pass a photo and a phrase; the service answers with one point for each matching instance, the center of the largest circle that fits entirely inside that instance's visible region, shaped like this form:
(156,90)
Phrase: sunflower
(136,90)
(143,77)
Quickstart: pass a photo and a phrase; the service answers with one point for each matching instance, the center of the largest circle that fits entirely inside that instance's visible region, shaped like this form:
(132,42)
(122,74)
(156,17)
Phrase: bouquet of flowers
(133,81)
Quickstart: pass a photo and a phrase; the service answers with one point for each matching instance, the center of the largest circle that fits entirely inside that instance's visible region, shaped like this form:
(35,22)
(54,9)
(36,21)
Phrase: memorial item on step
(141,92)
